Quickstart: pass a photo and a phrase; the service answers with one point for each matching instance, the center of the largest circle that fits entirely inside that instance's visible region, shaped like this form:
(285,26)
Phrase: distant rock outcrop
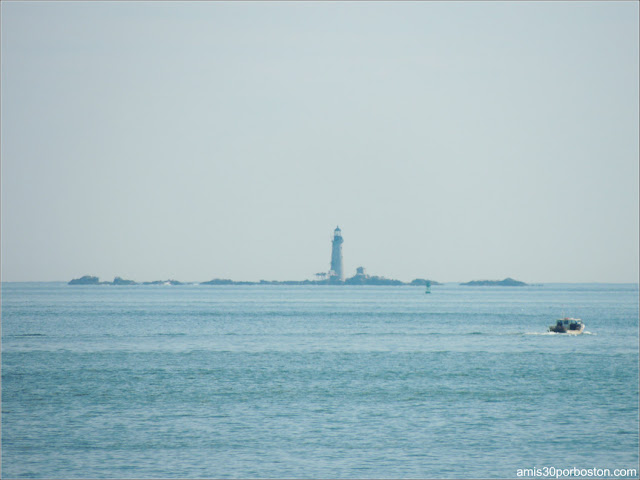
(86,280)
(360,278)
(422,282)
(118,281)
(219,281)
(507,282)
(363,279)
(163,282)
(122,281)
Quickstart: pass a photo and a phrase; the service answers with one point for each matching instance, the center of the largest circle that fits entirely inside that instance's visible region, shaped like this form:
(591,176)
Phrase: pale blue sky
(453,141)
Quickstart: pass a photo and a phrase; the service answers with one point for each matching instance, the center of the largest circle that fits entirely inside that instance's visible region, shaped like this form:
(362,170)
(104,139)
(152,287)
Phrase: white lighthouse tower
(337,270)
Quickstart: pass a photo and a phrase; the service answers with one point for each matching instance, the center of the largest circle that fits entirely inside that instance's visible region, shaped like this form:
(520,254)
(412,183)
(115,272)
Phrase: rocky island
(86,280)
(507,282)
(163,282)
(335,276)
(358,279)
(91,280)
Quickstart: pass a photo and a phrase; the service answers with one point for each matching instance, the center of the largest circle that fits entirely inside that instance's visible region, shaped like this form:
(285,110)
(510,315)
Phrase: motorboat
(569,325)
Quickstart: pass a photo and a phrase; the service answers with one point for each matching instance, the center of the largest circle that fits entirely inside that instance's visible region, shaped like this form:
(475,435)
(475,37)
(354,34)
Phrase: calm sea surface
(315,381)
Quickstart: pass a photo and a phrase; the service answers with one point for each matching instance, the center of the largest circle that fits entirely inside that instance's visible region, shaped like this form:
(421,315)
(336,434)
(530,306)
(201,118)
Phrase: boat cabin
(567,325)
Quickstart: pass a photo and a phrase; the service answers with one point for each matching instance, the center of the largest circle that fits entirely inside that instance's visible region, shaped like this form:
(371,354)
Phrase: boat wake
(556,333)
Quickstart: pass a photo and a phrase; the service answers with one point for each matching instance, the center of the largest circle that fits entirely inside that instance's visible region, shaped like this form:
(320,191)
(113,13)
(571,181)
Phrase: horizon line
(192,282)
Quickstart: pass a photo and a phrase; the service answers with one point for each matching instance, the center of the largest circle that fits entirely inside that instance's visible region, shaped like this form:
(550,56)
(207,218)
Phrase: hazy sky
(451,141)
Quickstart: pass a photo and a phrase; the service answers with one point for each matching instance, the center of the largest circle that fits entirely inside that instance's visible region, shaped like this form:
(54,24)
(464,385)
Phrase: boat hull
(556,329)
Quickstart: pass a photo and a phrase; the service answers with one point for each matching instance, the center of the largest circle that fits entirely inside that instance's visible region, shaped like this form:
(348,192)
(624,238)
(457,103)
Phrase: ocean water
(315,381)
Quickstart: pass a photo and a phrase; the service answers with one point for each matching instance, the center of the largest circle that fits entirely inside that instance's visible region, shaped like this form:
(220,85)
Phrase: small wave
(425,334)
(28,335)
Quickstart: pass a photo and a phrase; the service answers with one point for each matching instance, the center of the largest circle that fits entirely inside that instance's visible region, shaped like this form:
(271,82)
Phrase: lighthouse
(337,270)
